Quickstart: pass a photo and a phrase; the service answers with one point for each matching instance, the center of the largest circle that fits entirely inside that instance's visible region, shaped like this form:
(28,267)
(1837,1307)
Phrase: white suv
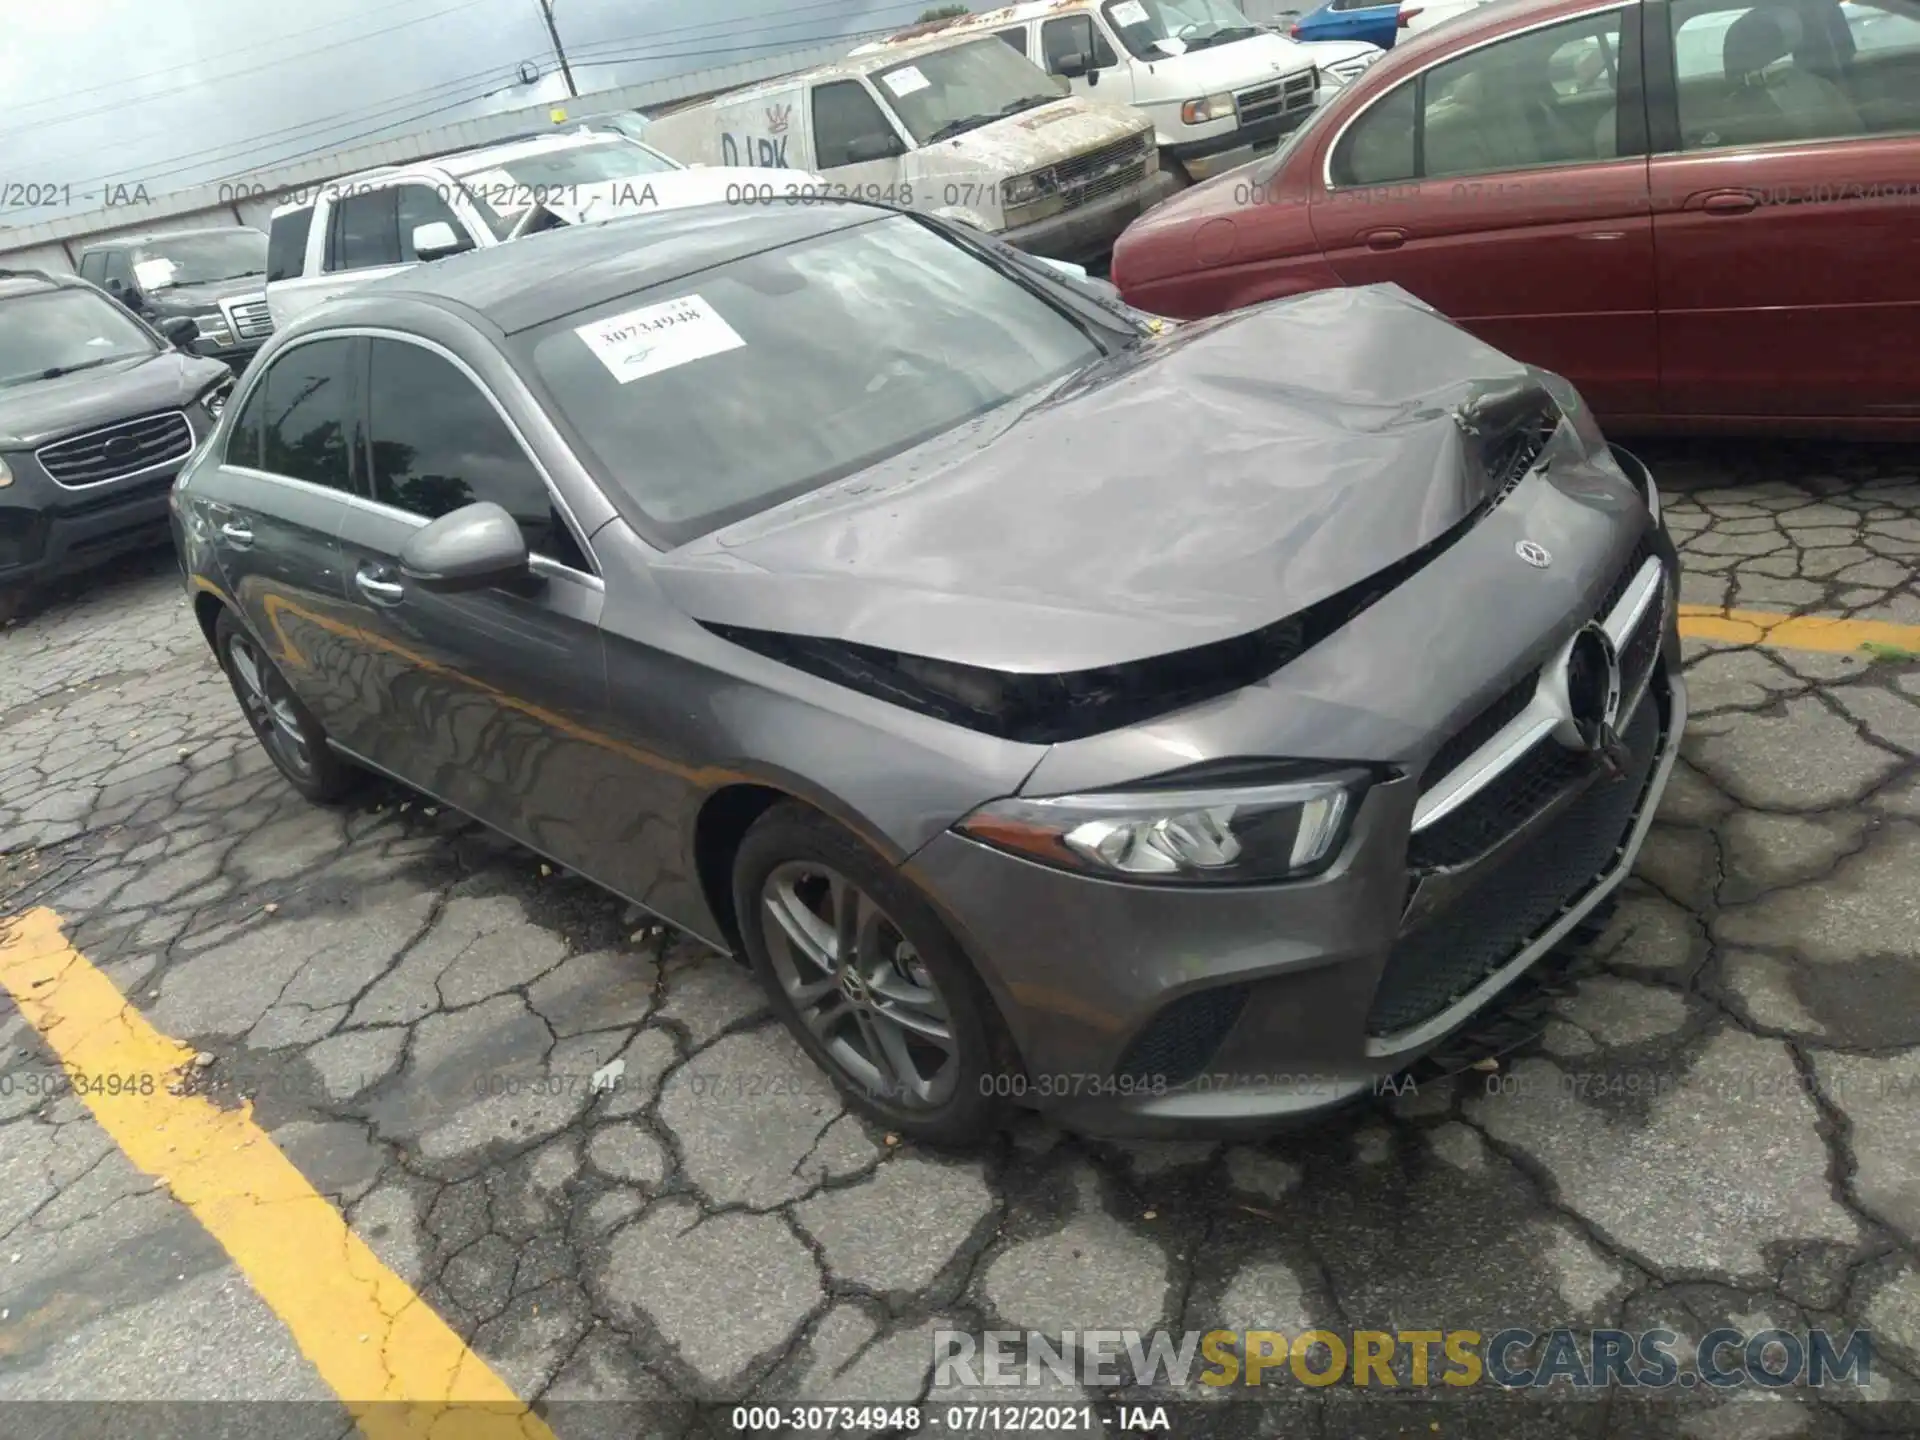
(361,227)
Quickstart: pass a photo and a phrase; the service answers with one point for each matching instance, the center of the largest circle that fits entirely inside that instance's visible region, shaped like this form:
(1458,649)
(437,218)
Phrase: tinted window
(716,397)
(120,267)
(94,266)
(246,432)
(307,414)
(420,206)
(1378,148)
(438,444)
(366,232)
(287,244)
(1774,72)
(1016,38)
(71,328)
(1075,35)
(844,113)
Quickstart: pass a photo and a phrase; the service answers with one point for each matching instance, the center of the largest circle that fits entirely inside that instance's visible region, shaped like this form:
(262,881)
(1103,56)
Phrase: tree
(942,12)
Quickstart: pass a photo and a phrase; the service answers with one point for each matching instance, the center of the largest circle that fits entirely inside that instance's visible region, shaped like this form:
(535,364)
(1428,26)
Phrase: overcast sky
(173,93)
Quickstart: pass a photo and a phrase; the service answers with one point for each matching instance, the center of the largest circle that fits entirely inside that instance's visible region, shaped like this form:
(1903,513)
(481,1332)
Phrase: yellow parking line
(1797,632)
(396,1365)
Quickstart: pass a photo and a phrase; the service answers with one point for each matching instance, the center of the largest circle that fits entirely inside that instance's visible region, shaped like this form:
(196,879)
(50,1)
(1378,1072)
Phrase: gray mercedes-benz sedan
(1175,727)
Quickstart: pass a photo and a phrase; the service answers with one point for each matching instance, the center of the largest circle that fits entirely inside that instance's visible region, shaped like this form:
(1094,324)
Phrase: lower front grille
(1501,914)
(1177,1043)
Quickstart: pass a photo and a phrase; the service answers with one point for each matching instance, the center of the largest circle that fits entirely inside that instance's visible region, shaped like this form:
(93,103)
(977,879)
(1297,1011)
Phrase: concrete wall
(250,198)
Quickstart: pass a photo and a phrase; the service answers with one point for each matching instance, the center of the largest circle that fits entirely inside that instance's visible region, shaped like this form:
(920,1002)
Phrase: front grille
(1111,168)
(119,450)
(251,319)
(1269,102)
(1503,805)
(1178,1042)
(1622,582)
(1479,730)
(1504,912)
(1642,649)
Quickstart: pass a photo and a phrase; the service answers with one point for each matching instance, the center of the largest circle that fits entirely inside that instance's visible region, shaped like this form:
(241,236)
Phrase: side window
(439,444)
(1771,73)
(365,232)
(287,244)
(244,436)
(1378,148)
(120,268)
(419,206)
(306,417)
(1016,37)
(93,266)
(1075,35)
(844,114)
(1500,108)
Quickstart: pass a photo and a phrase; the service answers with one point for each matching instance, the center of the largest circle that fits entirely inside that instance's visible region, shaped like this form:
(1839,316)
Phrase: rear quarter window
(287,244)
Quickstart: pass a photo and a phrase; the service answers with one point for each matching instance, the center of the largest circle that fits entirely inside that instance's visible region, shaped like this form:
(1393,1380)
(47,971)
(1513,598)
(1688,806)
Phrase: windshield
(723,394)
(504,189)
(52,332)
(1155,29)
(947,92)
(201,259)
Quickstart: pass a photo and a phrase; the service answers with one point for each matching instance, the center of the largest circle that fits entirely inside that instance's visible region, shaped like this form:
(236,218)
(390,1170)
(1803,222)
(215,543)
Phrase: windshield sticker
(1172,45)
(660,337)
(154,274)
(1129,12)
(904,81)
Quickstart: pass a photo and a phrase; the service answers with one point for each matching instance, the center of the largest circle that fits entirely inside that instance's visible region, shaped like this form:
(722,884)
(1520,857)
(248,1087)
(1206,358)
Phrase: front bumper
(1203,159)
(1088,232)
(1164,1012)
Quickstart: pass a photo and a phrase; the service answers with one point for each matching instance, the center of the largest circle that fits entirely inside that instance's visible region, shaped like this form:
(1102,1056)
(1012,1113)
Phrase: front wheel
(284,727)
(868,979)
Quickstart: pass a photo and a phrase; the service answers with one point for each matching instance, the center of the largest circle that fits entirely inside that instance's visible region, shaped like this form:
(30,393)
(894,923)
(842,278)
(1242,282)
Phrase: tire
(284,727)
(911,980)
(13,603)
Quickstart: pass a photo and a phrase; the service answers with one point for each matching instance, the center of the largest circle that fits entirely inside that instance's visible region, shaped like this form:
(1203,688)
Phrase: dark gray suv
(98,412)
(1176,727)
(215,277)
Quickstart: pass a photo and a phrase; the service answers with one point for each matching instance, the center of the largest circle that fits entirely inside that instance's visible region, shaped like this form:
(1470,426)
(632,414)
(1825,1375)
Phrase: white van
(1219,89)
(333,237)
(955,126)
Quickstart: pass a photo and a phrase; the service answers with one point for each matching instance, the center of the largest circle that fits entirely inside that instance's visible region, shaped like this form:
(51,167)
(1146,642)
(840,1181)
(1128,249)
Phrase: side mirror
(1073,66)
(475,547)
(182,334)
(435,240)
(872,147)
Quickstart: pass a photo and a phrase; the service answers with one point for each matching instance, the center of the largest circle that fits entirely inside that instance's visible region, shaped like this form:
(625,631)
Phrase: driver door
(849,124)
(1105,78)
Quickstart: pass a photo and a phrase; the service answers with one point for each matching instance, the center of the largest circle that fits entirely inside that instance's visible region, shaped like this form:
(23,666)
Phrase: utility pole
(559,51)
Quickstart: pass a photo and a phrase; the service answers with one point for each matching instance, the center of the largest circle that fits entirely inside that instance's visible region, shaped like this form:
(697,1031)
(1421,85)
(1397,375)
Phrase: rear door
(1507,187)
(495,700)
(1786,205)
(274,507)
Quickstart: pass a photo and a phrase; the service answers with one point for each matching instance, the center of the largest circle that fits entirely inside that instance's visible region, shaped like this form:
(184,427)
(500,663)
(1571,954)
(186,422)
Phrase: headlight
(1244,835)
(1025,189)
(1207,108)
(215,400)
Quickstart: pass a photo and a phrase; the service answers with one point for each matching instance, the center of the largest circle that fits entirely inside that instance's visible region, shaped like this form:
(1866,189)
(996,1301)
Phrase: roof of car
(859,62)
(465,162)
(560,272)
(153,236)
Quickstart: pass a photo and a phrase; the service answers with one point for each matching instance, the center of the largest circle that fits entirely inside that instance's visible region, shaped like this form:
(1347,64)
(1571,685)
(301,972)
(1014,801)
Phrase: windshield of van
(502,190)
(722,394)
(1155,29)
(49,333)
(201,259)
(944,93)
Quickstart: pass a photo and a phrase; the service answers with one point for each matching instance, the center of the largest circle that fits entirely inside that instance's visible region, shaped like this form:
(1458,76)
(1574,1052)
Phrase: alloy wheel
(269,707)
(857,983)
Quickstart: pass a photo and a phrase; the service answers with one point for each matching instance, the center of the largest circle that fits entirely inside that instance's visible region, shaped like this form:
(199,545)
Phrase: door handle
(237,532)
(1730,202)
(378,589)
(1385,239)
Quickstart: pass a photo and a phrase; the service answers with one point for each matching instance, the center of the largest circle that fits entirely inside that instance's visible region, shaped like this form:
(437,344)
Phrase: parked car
(1721,237)
(98,411)
(1219,89)
(1374,23)
(378,222)
(1027,688)
(215,277)
(961,128)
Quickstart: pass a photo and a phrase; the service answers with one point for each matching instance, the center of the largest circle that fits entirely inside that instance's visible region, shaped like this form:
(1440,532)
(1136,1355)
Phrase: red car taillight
(1406,15)
(1295,31)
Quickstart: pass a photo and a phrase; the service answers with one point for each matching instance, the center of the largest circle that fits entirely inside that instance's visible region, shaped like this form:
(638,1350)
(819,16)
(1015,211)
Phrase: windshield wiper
(956,127)
(58,370)
(1028,102)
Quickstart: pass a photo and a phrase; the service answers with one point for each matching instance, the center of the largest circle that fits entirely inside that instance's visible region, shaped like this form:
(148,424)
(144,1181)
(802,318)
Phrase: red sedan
(1705,213)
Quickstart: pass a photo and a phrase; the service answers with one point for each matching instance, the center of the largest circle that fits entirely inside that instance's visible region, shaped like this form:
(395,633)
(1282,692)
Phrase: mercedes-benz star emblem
(1534,555)
(1592,685)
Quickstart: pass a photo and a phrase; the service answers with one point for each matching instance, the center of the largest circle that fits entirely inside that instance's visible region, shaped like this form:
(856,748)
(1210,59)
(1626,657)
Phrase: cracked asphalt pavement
(589,1149)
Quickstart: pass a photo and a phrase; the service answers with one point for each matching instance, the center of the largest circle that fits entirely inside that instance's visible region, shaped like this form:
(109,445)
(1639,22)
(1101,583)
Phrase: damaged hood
(1045,135)
(1222,478)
